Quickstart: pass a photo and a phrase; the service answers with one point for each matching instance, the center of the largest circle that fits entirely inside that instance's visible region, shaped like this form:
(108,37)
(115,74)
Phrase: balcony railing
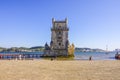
(63,28)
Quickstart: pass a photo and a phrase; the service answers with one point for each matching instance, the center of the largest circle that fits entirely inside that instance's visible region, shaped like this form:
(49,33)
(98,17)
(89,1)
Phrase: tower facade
(59,39)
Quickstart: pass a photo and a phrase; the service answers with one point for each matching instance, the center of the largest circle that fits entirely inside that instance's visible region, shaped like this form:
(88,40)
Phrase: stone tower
(59,39)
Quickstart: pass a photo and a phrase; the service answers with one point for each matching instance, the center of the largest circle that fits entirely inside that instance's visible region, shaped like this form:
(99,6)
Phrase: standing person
(90,58)
(20,57)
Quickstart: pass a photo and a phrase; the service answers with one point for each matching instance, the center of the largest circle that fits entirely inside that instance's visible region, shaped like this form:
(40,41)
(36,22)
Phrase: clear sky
(92,23)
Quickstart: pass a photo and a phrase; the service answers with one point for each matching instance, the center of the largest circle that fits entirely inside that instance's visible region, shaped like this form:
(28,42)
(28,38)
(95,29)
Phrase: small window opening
(59,44)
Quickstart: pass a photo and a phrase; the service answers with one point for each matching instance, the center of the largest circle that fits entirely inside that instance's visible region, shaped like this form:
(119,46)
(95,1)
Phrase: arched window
(59,44)
(59,32)
(59,37)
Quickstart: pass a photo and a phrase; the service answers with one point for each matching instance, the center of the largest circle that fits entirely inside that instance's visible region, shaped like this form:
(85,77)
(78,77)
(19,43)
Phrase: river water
(81,55)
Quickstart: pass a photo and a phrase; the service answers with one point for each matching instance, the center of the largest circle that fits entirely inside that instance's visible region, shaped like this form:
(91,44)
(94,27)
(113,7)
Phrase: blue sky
(92,23)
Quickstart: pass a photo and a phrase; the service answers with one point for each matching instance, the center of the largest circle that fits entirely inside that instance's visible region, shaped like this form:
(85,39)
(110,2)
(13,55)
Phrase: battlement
(59,21)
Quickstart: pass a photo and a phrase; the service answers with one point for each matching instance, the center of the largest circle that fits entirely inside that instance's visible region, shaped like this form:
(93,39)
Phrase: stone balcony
(63,29)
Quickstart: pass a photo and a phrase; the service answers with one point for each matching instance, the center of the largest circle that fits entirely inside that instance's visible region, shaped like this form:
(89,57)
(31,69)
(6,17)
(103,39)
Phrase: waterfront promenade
(20,56)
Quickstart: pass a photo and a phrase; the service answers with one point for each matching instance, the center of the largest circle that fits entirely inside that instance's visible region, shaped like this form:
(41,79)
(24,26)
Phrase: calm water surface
(95,55)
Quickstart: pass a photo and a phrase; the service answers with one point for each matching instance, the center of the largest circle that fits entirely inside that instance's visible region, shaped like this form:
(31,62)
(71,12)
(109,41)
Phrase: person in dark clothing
(90,58)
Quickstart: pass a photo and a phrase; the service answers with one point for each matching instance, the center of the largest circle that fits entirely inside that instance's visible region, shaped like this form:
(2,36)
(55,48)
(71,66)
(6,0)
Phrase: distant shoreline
(41,49)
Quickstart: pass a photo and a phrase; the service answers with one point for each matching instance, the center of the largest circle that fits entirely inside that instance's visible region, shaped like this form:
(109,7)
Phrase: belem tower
(59,39)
